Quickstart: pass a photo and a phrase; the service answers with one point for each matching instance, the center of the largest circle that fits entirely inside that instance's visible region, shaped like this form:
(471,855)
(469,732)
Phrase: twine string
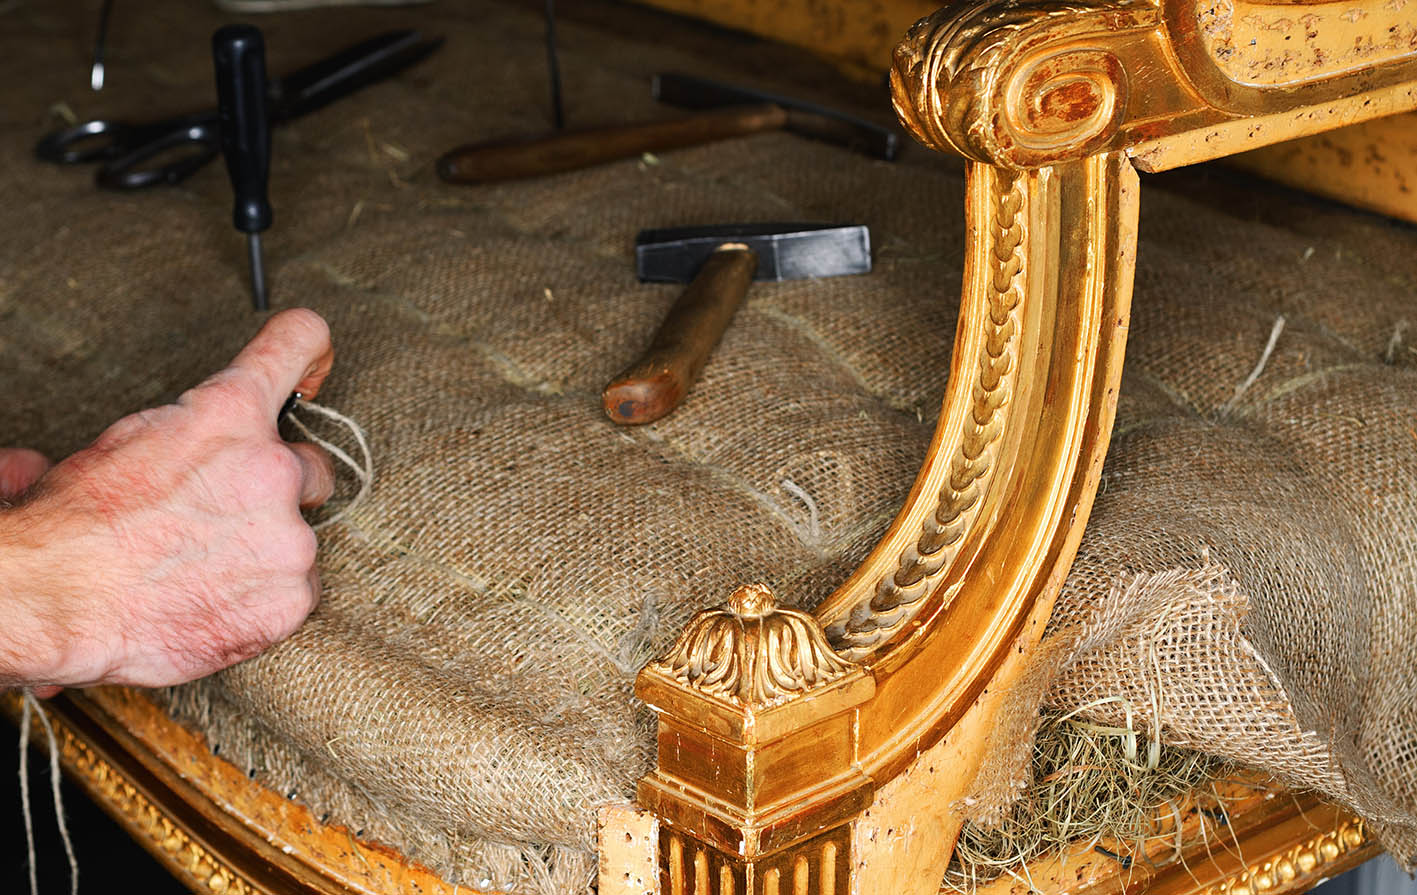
(30,707)
(364,471)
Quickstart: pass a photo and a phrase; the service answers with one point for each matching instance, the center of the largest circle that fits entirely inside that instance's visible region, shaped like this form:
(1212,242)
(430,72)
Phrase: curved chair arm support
(779,732)
(794,750)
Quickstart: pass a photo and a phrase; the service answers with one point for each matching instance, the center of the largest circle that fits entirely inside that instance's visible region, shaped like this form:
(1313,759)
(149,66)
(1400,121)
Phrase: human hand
(173,546)
(19,469)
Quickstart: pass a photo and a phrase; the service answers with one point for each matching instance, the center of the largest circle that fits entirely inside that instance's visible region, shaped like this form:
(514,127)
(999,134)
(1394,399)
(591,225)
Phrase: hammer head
(804,118)
(785,251)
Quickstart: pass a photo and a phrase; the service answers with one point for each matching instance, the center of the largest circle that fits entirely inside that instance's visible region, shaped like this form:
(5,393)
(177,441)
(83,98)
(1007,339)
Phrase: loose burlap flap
(1249,578)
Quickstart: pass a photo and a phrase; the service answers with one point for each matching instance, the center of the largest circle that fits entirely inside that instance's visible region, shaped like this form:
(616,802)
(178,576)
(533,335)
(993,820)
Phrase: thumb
(291,353)
(19,469)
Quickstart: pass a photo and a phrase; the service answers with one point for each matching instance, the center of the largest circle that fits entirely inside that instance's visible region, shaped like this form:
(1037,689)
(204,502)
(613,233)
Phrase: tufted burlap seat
(463,693)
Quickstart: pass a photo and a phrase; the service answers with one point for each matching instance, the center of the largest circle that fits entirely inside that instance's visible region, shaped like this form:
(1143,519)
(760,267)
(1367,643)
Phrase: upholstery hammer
(718,263)
(725,112)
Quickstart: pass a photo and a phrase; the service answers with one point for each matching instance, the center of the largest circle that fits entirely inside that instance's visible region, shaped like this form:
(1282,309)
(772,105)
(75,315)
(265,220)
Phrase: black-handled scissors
(130,154)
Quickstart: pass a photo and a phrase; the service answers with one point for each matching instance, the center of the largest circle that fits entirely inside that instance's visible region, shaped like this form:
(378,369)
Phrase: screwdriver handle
(239,53)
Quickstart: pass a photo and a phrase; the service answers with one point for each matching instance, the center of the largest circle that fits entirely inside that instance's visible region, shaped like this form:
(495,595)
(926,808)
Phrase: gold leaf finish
(1313,857)
(991,81)
(819,866)
(898,596)
(147,822)
(1030,83)
(206,821)
(753,652)
(947,607)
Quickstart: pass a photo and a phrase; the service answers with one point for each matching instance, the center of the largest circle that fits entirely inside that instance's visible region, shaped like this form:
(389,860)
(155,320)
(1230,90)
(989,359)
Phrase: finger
(19,469)
(317,474)
(291,353)
(47,691)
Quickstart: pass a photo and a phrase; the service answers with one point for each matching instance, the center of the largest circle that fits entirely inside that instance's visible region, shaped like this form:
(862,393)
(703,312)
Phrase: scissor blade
(317,85)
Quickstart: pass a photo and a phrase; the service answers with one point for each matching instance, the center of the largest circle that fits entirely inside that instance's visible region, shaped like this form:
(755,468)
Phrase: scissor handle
(129,171)
(80,144)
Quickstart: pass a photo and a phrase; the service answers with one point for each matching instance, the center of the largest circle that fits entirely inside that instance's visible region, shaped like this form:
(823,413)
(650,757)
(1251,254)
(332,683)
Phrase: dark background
(108,860)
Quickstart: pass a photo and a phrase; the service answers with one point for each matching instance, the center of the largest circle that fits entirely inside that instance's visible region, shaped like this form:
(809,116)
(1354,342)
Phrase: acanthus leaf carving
(1019,84)
(752,652)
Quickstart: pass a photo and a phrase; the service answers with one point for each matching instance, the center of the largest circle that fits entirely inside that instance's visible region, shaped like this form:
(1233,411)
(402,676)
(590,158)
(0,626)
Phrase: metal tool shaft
(100,47)
(258,272)
(239,54)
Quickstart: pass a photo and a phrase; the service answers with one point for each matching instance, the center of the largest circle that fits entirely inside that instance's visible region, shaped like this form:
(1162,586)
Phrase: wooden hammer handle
(570,151)
(656,383)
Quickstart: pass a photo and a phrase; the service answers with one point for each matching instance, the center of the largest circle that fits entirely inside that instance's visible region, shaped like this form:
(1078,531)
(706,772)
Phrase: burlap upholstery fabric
(1247,581)
(464,691)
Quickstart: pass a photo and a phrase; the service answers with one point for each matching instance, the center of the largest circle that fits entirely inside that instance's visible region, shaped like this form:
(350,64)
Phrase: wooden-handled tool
(572,150)
(727,112)
(720,263)
(656,383)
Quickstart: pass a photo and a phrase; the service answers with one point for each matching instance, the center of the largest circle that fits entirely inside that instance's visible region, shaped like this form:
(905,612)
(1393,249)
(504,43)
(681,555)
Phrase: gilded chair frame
(824,752)
(799,772)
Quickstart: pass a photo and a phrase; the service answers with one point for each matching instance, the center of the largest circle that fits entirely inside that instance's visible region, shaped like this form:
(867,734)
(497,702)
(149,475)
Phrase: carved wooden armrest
(822,752)
(1169,83)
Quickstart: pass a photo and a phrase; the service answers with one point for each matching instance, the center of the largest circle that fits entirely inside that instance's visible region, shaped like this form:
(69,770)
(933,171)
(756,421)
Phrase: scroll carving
(1020,85)
(753,652)
(1033,83)
(1057,102)
(896,596)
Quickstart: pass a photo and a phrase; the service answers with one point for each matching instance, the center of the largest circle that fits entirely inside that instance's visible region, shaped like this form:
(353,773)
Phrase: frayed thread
(814,529)
(1394,343)
(1249,380)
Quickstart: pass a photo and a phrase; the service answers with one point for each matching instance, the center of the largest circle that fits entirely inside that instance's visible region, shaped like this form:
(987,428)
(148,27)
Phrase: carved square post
(772,709)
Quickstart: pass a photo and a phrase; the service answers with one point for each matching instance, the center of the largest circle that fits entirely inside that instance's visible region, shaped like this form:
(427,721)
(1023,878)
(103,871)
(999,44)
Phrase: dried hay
(1091,784)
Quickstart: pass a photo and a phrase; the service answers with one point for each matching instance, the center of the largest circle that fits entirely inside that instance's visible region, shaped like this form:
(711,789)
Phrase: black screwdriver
(240,56)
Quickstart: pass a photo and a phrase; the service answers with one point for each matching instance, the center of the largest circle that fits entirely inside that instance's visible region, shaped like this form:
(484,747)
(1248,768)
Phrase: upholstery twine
(463,693)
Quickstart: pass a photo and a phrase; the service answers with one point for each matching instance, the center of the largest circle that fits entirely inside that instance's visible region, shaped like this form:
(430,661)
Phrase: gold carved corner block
(752,654)
(755,710)
(751,671)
